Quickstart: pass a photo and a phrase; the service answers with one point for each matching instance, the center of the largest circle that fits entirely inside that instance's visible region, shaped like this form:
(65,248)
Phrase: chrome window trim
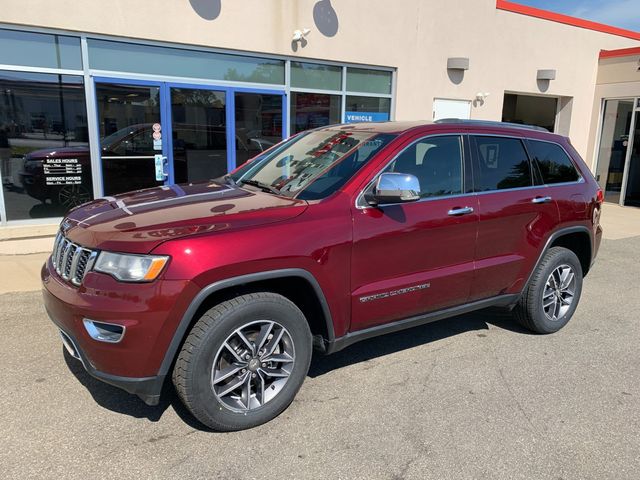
(358,203)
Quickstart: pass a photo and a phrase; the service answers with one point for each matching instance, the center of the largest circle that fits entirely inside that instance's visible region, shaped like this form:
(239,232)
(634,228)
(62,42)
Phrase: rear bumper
(147,388)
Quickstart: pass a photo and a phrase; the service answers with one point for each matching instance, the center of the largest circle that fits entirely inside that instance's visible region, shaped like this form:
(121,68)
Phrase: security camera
(298,35)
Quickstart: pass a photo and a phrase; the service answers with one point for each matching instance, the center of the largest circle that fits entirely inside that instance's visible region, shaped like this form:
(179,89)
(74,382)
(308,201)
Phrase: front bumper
(147,388)
(149,312)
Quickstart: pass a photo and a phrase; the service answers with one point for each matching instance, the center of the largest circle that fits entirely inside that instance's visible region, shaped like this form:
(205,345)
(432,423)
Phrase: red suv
(333,236)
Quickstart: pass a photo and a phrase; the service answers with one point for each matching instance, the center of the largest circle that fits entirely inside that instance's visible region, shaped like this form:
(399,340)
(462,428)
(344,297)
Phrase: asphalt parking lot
(471,397)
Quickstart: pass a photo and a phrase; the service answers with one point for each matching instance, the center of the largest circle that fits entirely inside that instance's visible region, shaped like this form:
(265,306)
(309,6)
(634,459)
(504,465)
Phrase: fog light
(104,332)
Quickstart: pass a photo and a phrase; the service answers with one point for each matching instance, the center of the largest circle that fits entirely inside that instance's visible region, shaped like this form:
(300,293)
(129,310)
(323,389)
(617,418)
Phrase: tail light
(600,196)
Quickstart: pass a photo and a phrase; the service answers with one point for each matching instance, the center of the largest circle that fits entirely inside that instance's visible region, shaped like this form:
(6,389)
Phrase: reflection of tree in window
(519,176)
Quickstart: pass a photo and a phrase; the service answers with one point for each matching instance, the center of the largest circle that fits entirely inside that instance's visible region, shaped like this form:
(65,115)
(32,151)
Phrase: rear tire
(244,361)
(551,297)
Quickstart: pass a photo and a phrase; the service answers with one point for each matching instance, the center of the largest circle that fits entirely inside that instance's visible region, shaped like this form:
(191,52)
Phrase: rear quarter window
(552,161)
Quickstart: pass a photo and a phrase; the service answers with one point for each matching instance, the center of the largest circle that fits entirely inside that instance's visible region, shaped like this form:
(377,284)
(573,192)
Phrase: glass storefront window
(368,81)
(313,75)
(367,109)
(44,146)
(258,124)
(312,110)
(131,57)
(39,50)
(199,125)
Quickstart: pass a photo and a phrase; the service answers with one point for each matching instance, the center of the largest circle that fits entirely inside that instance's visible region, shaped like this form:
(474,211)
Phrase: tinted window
(553,162)
(502,163)
(436,162)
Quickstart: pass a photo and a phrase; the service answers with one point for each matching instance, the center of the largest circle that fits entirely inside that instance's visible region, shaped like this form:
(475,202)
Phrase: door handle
(454,212)
(541,200)
(160,162)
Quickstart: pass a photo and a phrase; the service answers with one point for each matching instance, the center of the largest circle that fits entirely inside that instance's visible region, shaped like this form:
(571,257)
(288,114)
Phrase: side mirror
(394,188)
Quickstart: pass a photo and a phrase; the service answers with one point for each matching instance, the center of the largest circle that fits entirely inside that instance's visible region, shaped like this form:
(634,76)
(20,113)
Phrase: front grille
(70,260)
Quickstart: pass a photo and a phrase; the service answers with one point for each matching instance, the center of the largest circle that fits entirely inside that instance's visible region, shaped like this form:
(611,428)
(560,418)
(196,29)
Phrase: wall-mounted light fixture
(458,63)
(481,96)
(549,74)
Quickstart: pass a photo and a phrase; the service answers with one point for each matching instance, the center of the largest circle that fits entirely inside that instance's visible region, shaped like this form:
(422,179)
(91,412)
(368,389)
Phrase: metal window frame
(230,87)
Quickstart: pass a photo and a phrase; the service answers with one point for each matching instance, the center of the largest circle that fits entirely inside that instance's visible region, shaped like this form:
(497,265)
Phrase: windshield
(313,165)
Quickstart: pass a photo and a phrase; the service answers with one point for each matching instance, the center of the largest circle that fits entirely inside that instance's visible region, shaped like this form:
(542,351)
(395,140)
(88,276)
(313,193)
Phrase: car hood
(139,221)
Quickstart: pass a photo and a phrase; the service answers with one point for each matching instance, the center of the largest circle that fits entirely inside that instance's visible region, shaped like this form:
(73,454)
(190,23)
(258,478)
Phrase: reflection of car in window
(133,140)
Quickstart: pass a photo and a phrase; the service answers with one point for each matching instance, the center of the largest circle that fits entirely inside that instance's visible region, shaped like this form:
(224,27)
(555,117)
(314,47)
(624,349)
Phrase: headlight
(130,268)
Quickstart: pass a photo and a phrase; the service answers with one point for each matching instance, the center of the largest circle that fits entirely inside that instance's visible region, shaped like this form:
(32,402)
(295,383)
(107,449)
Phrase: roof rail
(491,123)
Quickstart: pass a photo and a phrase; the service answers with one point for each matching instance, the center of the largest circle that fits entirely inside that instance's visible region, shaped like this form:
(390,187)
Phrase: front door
(416,257)
(132,151)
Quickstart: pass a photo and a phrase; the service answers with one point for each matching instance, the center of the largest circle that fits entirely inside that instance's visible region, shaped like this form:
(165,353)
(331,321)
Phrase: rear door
(516,215)
(416,257)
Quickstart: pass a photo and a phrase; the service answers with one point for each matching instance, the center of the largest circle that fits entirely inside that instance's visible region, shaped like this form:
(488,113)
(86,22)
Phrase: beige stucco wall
(415,36)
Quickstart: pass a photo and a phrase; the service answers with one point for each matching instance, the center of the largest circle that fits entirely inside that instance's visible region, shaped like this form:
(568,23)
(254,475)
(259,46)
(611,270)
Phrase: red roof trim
(566,19)
(622,52)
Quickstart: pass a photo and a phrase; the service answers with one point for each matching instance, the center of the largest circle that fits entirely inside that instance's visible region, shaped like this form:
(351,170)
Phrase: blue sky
(620,13)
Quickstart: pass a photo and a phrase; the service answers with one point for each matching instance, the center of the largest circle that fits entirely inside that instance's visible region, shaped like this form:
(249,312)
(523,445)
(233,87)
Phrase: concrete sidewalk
(21,273)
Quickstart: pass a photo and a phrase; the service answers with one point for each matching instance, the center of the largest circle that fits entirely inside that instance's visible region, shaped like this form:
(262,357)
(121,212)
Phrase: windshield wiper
(265,187)
(228,179)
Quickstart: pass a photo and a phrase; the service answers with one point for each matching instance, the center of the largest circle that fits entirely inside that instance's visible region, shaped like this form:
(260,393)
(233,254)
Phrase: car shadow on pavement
(421,335)
(119,401)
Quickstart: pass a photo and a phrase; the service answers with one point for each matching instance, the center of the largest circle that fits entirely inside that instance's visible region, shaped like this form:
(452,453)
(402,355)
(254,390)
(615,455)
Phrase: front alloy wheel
(244,361)
(253,365)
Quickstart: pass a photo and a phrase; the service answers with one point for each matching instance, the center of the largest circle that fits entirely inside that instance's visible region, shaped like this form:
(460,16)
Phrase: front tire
(244,361)
(551,297)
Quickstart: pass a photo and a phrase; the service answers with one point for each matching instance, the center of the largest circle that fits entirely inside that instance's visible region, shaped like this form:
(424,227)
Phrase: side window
(502,163)
(436,162)
(553,162)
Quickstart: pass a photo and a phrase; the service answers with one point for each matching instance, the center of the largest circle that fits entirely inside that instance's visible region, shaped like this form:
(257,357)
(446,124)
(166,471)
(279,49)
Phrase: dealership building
(98,98)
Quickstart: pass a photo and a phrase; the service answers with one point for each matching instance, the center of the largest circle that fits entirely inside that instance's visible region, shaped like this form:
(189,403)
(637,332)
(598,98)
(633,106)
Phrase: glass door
(632,180)
(198,142)
(258,123)
(614,141)
(156,133)
(132,151)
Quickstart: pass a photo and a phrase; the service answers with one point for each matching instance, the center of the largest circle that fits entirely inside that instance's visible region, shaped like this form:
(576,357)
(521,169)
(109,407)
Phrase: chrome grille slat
(65,255)
(71,261)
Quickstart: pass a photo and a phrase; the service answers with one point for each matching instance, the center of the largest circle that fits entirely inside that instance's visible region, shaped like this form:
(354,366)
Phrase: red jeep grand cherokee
(333,236)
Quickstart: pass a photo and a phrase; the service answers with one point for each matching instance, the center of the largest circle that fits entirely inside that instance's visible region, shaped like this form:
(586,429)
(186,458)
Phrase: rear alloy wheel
(552,295)
(559,292)
(244,361)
